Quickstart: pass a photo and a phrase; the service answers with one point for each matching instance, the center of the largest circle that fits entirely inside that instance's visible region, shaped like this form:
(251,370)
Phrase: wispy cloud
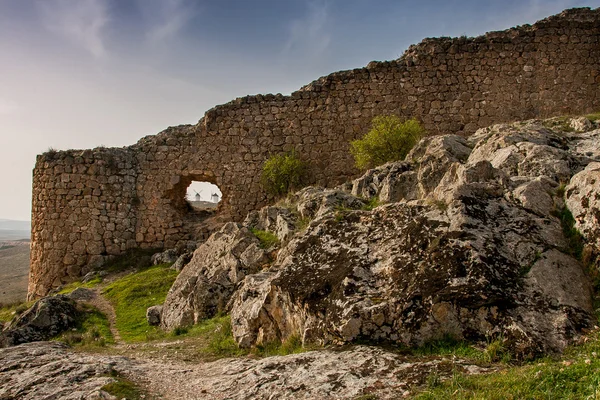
(81,21)
(309,36)
(167,17)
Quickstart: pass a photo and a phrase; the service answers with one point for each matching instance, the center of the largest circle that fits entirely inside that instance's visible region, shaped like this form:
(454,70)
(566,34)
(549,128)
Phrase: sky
(88,73)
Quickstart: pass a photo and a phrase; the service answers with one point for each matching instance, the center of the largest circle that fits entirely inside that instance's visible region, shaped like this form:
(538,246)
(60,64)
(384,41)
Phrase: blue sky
(85,73)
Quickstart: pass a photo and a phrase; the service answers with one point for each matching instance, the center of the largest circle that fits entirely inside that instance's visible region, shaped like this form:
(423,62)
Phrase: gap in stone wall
(203,196)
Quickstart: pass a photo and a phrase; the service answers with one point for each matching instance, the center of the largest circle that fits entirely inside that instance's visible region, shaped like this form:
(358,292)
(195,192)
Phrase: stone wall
(93,203)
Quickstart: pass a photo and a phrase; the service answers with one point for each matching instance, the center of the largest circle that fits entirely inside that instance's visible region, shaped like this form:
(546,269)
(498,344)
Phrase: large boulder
(205,285)
(474,250)
(47,318)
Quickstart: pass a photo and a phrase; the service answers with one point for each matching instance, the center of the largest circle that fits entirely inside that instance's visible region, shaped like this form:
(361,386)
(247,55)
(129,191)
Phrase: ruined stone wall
(87,204)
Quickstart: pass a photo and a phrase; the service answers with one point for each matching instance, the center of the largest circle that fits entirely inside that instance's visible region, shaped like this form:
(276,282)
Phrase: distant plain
(14,260)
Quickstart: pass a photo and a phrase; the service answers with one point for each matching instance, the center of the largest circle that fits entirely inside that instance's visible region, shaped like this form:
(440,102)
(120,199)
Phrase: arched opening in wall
(203,196)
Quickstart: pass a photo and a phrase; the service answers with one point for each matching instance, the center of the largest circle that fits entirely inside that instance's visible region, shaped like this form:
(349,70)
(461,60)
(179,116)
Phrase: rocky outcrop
(469,245)
(50,370)
(206,283)
(278,220)
(47,318)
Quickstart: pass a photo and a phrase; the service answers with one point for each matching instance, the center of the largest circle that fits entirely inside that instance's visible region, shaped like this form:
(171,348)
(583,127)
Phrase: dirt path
(104,306)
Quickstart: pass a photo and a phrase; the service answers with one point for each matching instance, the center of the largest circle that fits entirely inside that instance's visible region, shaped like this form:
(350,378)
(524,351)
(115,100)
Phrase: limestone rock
(93,275)
(48,317)
(205,285)
(278,220)
(433,156)
(168,256)
(475,252)
(153,315)
(581,124)
(82,294)
(315,202)
(48,370)
(182,261)
(537,195)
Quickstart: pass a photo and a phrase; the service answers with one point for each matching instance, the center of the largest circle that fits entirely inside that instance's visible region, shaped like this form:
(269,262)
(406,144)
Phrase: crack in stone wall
(93,203)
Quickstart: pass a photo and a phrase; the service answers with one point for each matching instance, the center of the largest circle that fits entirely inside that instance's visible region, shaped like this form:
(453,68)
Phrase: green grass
(133,294)
(575,375)
(74,285)
(574,238)
(267,239)
(9,311)
(563,123)
(292,345)
(371,203)
(449,346)
(593,116)
(219,341)
(92,330)
(123,388)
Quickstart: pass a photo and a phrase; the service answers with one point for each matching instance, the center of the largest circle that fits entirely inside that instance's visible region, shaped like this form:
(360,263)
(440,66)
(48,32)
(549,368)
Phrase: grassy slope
(574,375)
(92,330)
(133,294)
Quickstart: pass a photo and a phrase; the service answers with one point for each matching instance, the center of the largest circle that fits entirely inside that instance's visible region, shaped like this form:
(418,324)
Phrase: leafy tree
(282,173)
(390,139)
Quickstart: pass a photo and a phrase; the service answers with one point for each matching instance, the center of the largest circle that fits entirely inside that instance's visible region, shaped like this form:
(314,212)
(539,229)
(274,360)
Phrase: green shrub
(390,139)
(283,173)
(267,239)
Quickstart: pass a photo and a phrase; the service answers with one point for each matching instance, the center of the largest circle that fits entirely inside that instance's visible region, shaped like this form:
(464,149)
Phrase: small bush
(370,204)
(283,173)
(390,139)
(267,239)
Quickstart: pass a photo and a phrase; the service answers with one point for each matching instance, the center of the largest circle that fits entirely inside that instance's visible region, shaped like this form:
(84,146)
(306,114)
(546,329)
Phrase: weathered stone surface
(82,294)
(48,317)
(581,124)
(182,261)
(93,275)
(315,202)
(166,257)
(479,256)
(49,370)
(88,204)
(582,197)
(278,220)
(153,315)
(205,285)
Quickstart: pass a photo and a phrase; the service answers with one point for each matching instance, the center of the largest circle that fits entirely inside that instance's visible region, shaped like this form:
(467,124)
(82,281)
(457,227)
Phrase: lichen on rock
(472,250)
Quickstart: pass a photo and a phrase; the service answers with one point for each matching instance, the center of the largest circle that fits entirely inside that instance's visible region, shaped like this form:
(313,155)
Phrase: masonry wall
(92,203)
